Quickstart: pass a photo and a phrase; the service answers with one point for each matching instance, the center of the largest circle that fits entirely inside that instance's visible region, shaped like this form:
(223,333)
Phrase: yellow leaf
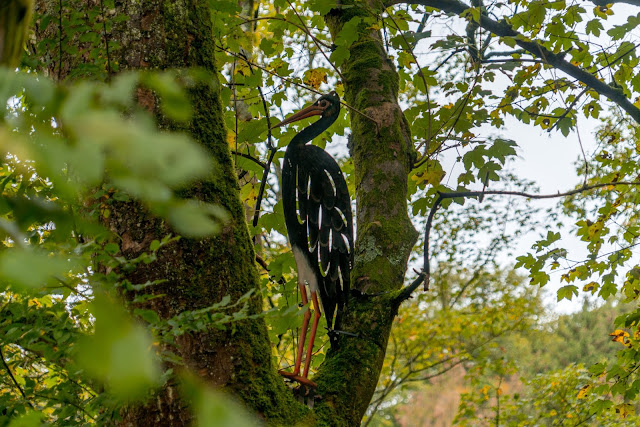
(315,77)
(590,287)
(485,392)
(231,139)
(619,336)
(242,68)
(431,176)
(583,391)
(624,409)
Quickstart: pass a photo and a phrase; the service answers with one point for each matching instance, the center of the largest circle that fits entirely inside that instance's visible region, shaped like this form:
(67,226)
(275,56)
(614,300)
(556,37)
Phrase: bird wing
(324,210)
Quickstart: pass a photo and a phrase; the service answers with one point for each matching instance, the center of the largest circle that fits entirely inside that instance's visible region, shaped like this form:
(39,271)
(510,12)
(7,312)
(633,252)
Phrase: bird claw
(298,378)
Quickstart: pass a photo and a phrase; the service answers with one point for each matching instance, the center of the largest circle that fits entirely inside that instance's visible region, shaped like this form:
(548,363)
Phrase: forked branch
(503,29)
(424,275)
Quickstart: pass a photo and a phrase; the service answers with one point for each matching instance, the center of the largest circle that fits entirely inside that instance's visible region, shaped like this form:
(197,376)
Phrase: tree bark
(198,273)
(382,153)
(177,34)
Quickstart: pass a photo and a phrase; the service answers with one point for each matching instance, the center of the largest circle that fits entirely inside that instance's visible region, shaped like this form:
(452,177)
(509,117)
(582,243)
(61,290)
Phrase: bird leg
(312,337)
(295,375)
(305,325)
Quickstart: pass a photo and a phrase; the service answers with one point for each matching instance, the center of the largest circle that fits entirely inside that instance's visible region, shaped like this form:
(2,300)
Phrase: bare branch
(426,272)
(504,53)
(503,29)
(249,157)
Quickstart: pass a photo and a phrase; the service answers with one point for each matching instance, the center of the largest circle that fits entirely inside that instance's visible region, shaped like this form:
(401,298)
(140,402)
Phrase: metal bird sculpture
(317,212)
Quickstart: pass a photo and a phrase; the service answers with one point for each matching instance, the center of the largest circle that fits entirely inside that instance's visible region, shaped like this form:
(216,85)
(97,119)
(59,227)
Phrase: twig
(275,18)
(425,157)
(249,157)
(294,83)
(256,214)
(584,156)
(308,32)
(569,109)
(106,40)
(503,60)
(424,275)
(6,366)
(420,73)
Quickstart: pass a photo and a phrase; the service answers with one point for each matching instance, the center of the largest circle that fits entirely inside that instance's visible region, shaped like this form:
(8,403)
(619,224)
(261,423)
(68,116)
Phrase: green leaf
(30,419)
(119,353)
(195,219)
(31,269)
(594,27)
(567,292)
(212,408)
(174,100)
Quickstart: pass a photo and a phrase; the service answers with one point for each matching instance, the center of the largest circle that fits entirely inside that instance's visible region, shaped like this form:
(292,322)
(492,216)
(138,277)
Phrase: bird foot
(298,378)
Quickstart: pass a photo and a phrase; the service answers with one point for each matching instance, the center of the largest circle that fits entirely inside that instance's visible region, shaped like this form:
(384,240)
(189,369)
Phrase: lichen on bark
(382,153)
(162,34)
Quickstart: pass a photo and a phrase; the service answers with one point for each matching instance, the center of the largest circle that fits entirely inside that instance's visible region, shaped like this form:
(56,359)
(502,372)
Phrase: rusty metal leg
(312,337)
(305,325)
(295,375)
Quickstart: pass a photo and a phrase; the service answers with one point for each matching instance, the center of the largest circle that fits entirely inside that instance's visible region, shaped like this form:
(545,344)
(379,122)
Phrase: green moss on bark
(382,152)
(163,34)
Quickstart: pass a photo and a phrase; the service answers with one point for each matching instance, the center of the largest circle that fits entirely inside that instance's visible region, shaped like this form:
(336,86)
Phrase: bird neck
(312,131)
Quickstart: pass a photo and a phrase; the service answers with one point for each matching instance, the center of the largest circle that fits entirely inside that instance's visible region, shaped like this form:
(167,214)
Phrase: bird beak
(312,110)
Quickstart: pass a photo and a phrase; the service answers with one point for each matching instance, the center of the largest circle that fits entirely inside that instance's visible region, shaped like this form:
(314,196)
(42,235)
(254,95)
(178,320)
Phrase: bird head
(326,106)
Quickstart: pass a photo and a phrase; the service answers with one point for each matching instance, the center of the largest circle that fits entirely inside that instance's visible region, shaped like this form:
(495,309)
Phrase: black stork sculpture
(317,213)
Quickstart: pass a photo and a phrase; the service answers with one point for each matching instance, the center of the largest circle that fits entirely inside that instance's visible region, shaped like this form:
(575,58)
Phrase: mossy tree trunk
(382,154)
(176,34)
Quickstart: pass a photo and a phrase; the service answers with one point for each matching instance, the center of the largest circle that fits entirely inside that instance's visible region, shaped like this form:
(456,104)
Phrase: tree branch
(606,2)
(503,29)
(424,275)
(504,53)
(249,157)
(6,366)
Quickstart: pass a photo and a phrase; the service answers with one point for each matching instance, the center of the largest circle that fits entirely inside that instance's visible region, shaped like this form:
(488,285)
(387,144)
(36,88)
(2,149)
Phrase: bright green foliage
(607,222)
(473,307)
(70,351)
(555,391)
(213,408)
(582,337)
(70,152)
(430,339)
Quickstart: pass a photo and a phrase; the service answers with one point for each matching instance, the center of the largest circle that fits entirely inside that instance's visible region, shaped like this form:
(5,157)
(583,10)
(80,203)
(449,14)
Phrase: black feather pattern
(321,224)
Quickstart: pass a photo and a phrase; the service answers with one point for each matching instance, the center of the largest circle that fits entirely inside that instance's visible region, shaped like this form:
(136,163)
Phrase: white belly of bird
(305,271)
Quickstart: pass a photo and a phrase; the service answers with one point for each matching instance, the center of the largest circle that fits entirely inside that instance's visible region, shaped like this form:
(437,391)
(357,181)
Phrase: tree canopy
(145,275)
